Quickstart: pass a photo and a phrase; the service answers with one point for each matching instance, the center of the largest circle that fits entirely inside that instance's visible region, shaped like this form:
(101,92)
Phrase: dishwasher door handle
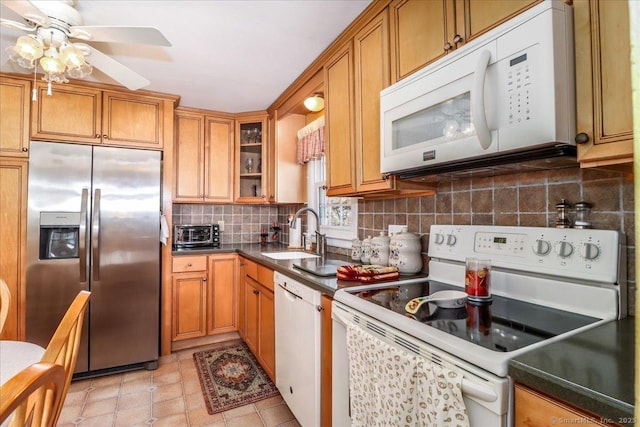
(289,292)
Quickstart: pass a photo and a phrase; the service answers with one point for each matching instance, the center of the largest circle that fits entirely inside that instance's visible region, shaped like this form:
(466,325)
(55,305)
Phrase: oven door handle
(469,388)
(337,316)
(477,391)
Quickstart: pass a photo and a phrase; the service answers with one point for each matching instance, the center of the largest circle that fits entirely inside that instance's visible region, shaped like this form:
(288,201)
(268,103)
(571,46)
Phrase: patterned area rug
(230,377)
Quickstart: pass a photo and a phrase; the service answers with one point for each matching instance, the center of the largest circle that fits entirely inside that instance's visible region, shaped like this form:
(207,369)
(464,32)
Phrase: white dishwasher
(298,347)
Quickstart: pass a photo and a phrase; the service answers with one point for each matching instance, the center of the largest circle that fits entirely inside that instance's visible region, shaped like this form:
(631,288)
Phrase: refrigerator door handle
(83,235)
(95,235)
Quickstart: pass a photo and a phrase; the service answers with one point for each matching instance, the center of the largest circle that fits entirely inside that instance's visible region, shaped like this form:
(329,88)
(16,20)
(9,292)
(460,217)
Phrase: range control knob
(451,240)
(438,239)
(564,249)
(589,251)
(542,247)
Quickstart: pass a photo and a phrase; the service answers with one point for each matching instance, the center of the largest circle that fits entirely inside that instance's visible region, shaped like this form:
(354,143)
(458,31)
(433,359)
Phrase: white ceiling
(231,56)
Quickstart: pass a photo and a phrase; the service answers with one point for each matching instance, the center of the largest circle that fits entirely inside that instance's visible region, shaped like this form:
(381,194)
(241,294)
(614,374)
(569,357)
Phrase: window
(338,215)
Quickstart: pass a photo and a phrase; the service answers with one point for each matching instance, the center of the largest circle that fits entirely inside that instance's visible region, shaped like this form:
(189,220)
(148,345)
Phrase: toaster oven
(196,236)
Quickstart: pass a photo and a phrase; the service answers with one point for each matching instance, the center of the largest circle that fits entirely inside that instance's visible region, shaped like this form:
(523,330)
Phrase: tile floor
(169,396)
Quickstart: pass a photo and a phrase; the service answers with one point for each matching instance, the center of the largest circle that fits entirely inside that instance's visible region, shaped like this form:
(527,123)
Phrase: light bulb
(29,48)
(314,103)
(52,65)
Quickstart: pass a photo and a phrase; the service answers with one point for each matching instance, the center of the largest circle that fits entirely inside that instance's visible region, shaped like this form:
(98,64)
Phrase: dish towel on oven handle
(389,386)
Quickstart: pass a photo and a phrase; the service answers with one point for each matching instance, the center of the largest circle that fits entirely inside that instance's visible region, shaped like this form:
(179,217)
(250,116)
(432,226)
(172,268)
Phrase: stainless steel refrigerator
(94,224)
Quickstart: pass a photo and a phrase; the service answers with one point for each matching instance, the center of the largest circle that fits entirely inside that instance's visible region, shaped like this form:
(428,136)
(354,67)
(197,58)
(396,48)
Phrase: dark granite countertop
(593,370)
(253,251)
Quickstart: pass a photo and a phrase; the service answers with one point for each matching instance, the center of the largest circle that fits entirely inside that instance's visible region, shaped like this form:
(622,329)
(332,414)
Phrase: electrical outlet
(395,229)
(221,224)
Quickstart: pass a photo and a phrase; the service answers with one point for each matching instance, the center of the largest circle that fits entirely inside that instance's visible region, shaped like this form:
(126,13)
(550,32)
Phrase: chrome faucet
(321,239)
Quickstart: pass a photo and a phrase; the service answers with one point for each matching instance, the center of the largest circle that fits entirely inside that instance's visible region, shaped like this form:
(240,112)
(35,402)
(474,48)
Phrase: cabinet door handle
(189,265)
(25,149)
(97,136)
(582,138)
(448,46)
(457,39)
(105,136)
(204,279)
(255,292)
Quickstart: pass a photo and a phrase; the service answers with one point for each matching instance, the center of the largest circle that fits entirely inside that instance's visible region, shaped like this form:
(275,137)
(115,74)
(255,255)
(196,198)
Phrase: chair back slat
(32,396)
(64,345)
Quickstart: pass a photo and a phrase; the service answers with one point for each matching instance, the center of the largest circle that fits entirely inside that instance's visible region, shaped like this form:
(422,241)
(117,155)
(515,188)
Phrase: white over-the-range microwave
(506,97)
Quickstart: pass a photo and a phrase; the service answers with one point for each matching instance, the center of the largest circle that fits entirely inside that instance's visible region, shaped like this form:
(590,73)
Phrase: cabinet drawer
(183,264)
(265,277)
(251,269)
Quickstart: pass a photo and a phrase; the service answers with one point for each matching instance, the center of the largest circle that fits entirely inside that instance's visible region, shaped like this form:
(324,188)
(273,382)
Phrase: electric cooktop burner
(501,324)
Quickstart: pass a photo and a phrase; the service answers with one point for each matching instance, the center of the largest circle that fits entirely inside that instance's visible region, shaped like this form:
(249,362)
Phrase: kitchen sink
(289,255)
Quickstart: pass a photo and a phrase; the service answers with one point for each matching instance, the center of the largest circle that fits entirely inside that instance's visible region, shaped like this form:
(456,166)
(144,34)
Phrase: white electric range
(546,284)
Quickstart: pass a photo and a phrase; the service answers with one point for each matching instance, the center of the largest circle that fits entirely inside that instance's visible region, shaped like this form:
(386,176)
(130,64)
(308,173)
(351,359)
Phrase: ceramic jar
(365,257)
(380,249)
(356,249)
(404,252)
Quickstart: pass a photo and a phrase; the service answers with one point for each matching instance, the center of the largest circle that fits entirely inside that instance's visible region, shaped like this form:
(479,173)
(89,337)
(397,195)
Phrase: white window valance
(311,141)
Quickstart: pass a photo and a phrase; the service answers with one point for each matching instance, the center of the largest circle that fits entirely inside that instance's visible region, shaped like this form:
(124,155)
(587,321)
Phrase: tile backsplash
(527,199)
(242,223)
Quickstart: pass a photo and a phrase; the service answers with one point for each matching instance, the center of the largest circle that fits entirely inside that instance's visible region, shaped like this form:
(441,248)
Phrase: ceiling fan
(57,40)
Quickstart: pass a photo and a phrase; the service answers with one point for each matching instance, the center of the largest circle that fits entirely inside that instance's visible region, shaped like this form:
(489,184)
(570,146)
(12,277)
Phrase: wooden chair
(5,301)
(32,395)
(64,344)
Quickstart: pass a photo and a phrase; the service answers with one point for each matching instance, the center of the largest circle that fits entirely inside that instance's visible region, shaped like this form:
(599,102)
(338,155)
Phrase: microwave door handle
(478,114)
(95,235)
(82,237)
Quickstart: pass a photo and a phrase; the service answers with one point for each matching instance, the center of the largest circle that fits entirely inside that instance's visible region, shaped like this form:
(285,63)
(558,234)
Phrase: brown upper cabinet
(251,156)
(354,78)
(339,109)
(603,83)
(424,31)
(203,157)
(15,104)
(88,115)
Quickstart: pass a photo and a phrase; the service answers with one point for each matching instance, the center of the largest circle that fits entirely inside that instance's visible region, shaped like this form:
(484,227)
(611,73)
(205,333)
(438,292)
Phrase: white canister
(380,249)
(365,257)
(404,252)
(356,249)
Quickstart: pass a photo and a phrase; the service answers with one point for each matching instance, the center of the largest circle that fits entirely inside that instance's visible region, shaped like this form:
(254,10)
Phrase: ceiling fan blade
(28,11)
(16,25)
(126,76)
(119,34)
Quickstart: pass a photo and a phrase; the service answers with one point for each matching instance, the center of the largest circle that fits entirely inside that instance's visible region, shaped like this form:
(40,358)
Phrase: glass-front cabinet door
(251,143)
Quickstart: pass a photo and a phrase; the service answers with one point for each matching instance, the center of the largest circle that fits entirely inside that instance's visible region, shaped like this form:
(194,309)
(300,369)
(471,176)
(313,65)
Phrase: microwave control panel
(519,90)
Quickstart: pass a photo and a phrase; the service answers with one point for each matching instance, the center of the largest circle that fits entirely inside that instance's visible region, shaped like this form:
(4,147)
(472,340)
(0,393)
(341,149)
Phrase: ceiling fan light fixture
(314,103)
(26,51)
(73,58)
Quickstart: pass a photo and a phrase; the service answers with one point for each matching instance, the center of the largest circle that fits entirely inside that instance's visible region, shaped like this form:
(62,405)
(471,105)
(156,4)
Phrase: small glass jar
(562,219)
(583,210)
(477,279)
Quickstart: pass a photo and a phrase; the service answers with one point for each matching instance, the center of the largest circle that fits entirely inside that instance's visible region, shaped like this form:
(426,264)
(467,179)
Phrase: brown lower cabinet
(204,296)
(533,408)
(257,319)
